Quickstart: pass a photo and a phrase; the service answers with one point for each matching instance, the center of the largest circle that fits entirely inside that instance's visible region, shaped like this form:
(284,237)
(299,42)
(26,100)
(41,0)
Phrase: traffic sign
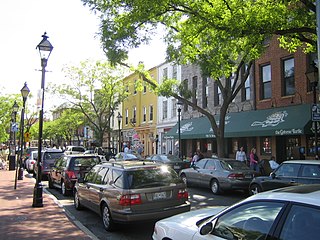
(315,112)
(27,136)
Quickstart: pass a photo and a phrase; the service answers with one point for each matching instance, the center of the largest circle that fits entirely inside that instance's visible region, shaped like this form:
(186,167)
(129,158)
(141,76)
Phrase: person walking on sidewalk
(241,155)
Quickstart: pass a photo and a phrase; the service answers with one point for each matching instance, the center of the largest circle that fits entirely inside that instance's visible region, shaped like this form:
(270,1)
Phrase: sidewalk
(19,220)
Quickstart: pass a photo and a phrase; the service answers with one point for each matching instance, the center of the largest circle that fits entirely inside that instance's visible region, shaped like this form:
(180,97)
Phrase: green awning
(195,128)
(292,120)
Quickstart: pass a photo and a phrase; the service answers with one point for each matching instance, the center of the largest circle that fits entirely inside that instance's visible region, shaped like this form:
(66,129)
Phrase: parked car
(218,174)
(176,163)
(48,157)
(125,156)
(74,150)
(67,168)
(131,191)
(288,213)
(31,161)
(27,154)
(108,152)
(289,173)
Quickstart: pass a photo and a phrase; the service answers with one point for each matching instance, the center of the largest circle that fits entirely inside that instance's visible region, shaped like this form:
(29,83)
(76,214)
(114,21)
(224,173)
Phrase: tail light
(130,199)
(71,174)
(236,176)
(183,194)
(32,162)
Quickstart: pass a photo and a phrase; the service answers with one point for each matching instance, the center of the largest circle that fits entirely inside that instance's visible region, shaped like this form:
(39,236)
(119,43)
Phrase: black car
(48,157)
(67,168)
(176,163)
(289,173)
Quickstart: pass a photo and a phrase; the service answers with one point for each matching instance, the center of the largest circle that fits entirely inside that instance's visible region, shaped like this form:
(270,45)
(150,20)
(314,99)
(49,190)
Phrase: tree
(222,37)
(95,90)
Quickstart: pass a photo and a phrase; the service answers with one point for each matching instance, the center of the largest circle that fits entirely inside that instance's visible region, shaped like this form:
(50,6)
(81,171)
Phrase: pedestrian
(273,163)
(254,160)
(195,158)
(241,155)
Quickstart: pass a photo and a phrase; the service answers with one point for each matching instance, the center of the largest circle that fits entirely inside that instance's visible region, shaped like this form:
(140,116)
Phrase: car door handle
(101,189)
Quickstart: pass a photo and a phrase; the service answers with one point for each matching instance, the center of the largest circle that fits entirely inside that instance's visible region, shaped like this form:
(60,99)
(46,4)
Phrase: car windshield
(52,155)
(233,165)
(151,177)
(83,162)
(169,158)
(127,156)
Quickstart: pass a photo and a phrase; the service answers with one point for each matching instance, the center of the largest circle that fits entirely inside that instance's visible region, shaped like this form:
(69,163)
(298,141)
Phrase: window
(217,95)
(165,110)
(144,87)
(265,146)
(265,81)
(174,71)
(134,114)
(127,116)
(249,221)
(194,89)
(144,114)
(150,113)
(288,170)
(185,86)
(100,179)
(288,76)
(246,94)
(205,92)
(135,87)
(303,222)
(174,107)
(164,74)
(91,175)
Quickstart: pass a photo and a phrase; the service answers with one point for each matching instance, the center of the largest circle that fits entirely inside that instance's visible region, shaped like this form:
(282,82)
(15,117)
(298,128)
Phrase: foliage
(95,90)
(222,37)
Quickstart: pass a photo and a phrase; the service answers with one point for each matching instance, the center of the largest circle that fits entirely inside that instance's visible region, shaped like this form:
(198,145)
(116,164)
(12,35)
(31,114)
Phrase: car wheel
(107,221)
(50,183)
(63,189)
(254,189)
(184,178)
(76,201)
(215,187)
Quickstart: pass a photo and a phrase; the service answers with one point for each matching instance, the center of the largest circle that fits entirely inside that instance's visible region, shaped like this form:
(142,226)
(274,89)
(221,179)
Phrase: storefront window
(311,145)
(292,144)
(265,146)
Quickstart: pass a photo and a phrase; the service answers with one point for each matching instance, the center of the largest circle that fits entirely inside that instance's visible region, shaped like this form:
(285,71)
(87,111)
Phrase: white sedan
(288,213)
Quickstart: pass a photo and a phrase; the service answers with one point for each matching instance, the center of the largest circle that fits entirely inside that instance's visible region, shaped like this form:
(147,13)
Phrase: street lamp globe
(25,92)
(15,107)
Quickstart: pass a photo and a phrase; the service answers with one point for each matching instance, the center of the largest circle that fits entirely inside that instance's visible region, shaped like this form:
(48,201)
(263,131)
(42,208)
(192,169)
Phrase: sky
(72,30)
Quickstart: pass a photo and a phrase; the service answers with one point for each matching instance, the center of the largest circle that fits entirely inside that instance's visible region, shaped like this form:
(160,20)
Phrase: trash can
(12,163)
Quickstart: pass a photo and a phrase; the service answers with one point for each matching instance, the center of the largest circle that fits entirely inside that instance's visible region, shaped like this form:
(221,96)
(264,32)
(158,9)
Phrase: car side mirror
(273,175)
(206,228)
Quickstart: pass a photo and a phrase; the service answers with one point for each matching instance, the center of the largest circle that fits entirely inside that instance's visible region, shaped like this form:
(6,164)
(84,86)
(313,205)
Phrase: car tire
(64,191)
(254,189)
(50,183)
(215,186)
(184,178)
(76,201)
(107,221)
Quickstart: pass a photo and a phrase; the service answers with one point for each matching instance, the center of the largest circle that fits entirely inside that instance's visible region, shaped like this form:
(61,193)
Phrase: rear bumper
(231,184)
(127,217)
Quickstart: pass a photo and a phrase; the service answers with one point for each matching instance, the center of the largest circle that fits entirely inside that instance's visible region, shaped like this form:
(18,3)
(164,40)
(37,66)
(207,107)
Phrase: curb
(70,215)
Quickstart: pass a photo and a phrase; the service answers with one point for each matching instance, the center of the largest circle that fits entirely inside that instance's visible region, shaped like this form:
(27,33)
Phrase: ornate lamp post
(119,117)
(24,93)
(45,49)
(12,161)
(312,75)
(179,105)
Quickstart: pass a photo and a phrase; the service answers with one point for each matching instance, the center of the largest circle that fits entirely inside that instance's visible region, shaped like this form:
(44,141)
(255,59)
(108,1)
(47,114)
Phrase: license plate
(159,195)
(176,167)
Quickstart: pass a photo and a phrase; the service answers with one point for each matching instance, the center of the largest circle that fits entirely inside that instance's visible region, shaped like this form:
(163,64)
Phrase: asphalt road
(199,198)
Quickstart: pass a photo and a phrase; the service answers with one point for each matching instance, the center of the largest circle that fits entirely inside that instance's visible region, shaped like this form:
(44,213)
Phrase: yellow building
(139,115)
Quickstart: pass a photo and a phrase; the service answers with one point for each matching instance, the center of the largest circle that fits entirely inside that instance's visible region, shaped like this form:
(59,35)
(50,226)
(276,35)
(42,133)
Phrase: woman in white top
(241,155)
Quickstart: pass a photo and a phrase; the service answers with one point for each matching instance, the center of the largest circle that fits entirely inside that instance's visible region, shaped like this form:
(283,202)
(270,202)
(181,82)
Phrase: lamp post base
(37,196)
(20,173)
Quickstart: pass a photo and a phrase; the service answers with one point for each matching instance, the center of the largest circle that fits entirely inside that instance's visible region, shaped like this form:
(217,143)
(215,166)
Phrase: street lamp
(179,105)
(119,117)
(24,93)
(45,49)
(312,75)
(12,161)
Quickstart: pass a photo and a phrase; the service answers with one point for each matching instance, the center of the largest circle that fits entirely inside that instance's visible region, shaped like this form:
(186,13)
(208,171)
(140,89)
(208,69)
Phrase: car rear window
(150,177)
(78,149)
(83,163)
(233,165)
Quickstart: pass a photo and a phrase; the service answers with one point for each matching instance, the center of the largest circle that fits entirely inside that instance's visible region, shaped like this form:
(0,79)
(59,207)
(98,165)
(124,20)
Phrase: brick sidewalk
(19,220)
